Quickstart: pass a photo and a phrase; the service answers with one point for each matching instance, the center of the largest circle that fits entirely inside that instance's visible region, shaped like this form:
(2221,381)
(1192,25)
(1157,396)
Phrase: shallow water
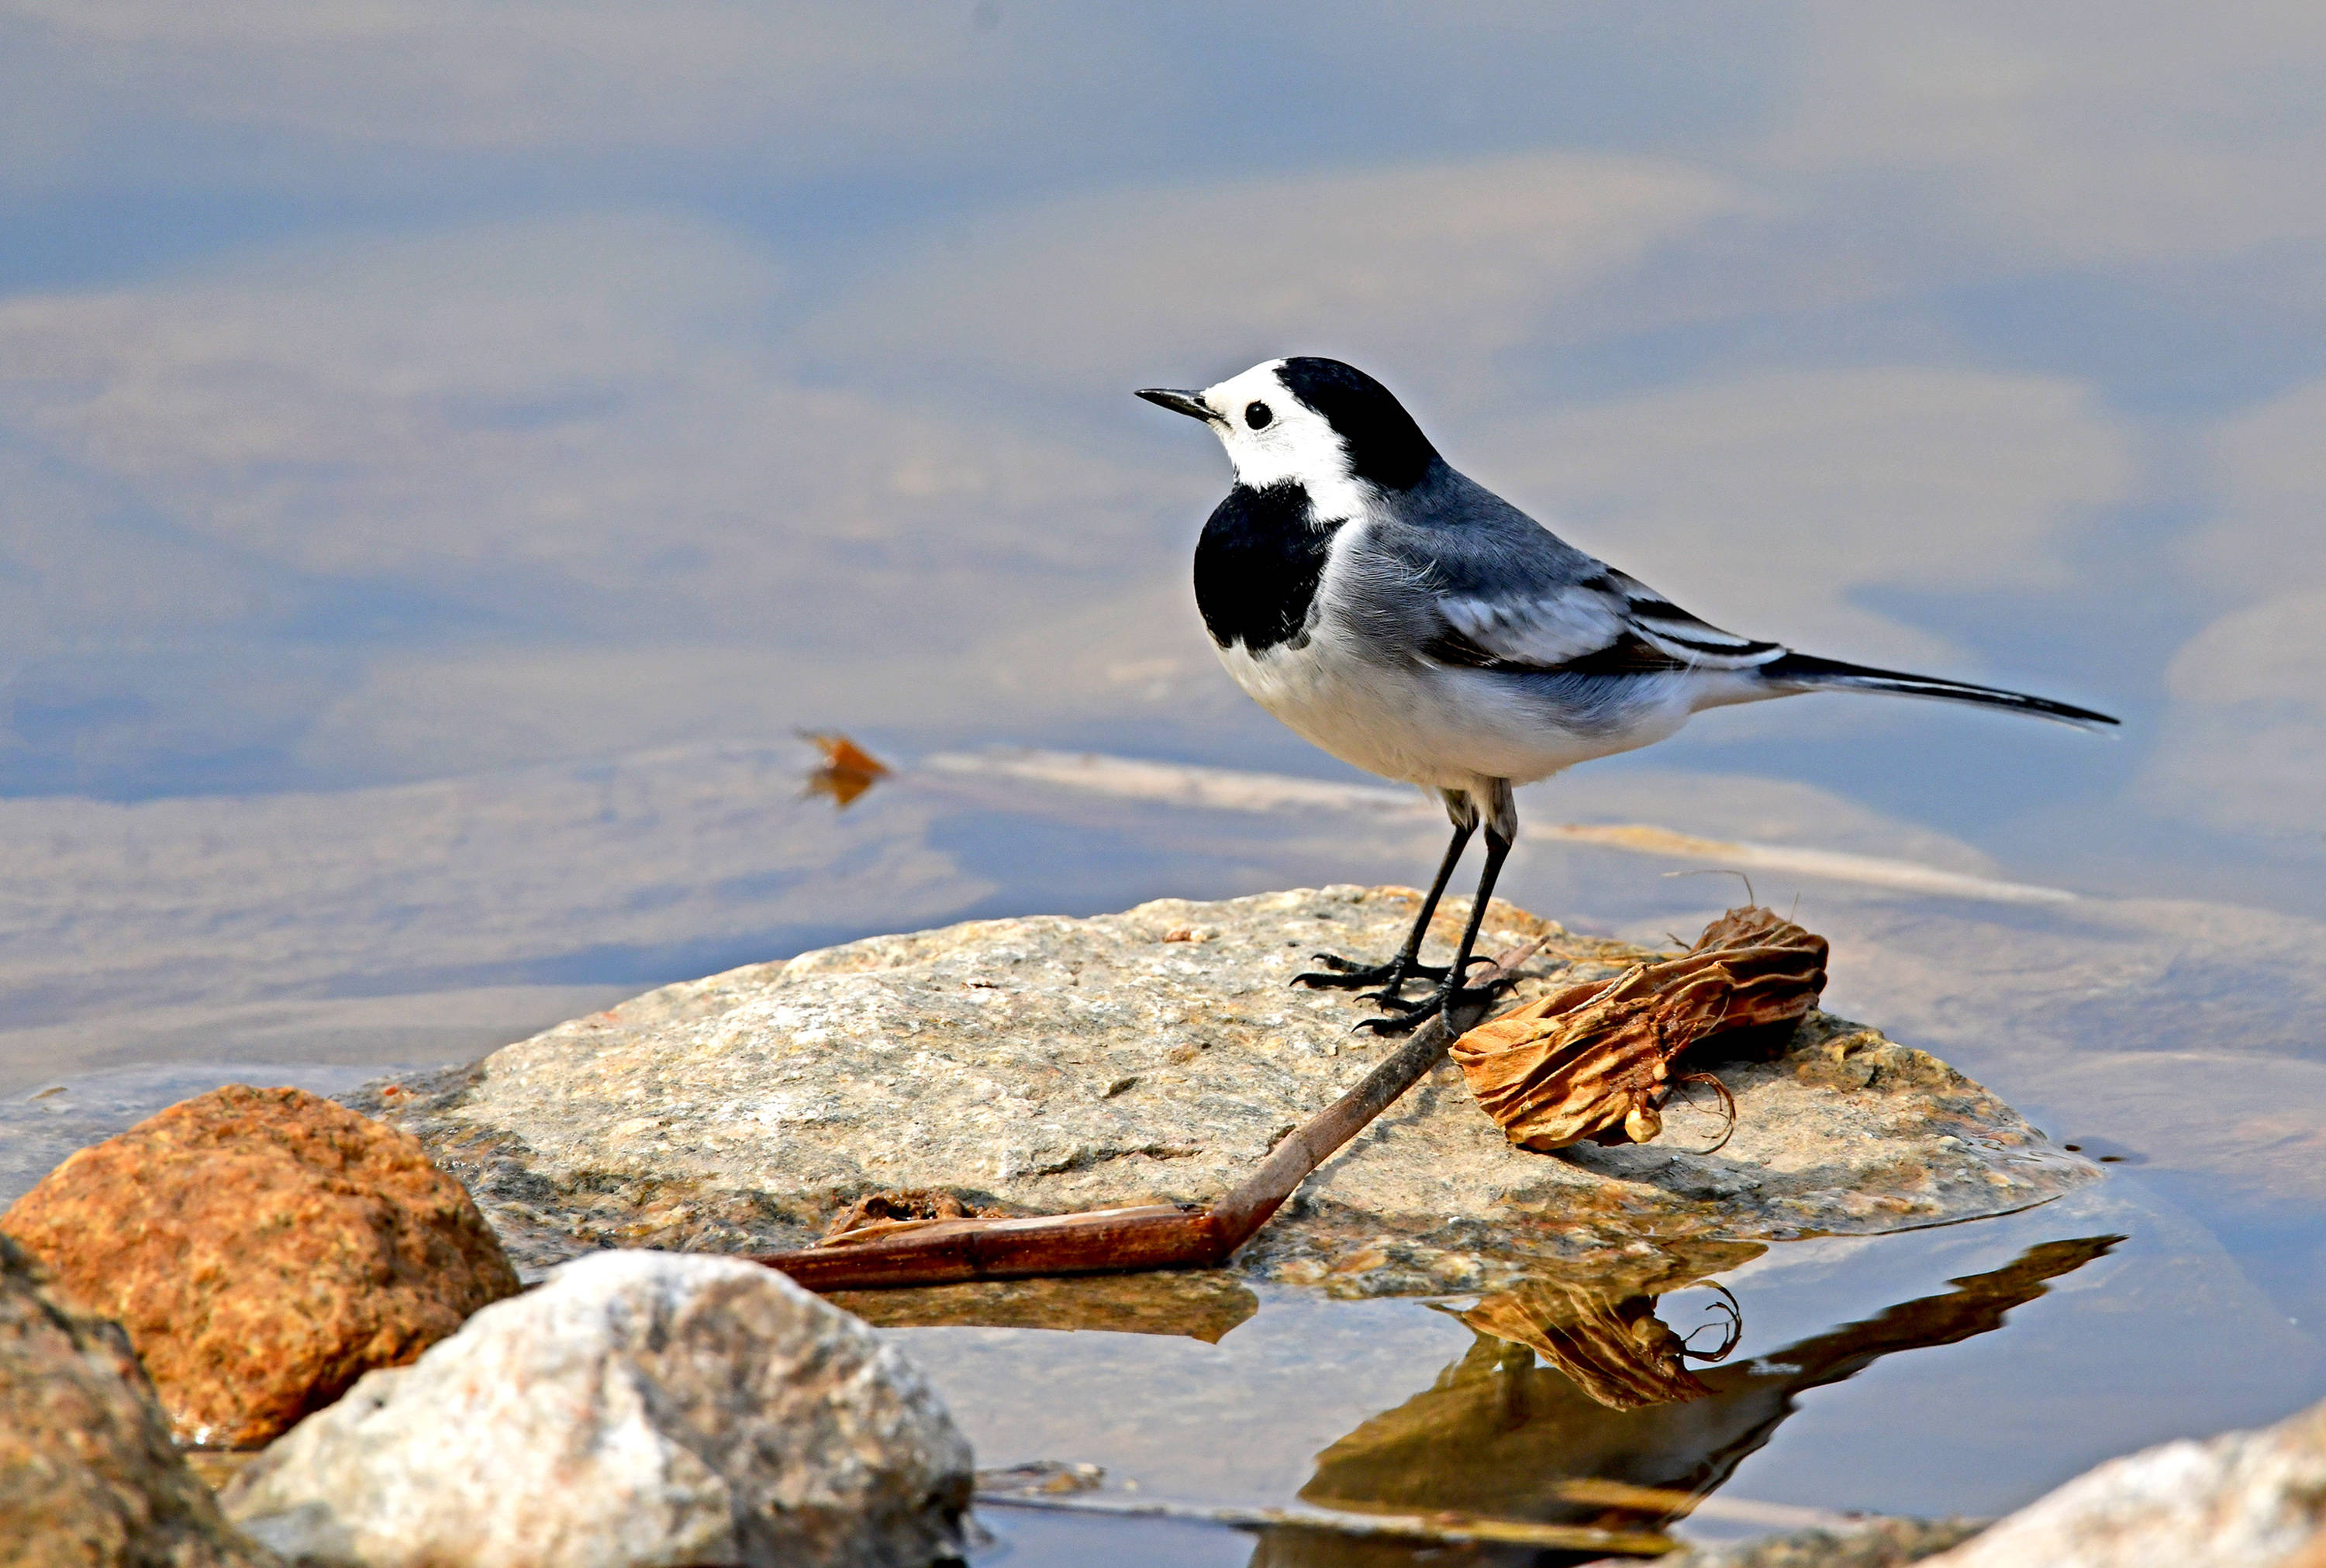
(1960,1369)
(444,454)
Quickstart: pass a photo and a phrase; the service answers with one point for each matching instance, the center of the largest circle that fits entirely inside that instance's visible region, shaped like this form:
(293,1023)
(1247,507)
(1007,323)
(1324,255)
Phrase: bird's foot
(1341,974)
(1405,1018)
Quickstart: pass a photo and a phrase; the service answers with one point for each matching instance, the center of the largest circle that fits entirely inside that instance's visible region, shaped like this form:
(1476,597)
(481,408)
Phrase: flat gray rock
(1050,1064)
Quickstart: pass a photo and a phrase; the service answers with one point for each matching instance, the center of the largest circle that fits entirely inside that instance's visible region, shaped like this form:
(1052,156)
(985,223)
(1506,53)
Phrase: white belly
(1441,728)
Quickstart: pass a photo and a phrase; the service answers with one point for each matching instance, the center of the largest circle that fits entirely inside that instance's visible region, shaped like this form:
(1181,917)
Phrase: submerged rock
(265,1248)
(1874,1544)
(639,1408)
(2244,1499)
(88,1478)
(1204,1304)
(1051,1064)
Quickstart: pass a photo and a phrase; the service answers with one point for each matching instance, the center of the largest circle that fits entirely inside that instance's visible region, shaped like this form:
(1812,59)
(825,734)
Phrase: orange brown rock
(264,1247)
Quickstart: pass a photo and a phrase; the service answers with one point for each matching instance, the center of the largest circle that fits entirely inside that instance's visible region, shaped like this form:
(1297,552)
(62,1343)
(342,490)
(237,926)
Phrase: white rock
(2244,1499)
(637,1408)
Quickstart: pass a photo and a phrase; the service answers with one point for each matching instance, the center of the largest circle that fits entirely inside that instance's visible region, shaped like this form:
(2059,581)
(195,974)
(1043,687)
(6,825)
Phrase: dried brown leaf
(848,770)
(879,1210)
(1593,1061)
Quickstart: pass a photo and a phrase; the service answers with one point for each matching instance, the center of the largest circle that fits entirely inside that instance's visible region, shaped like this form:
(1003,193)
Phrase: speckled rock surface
(2244,1499)
(87,1475)
(639,1408)
(265,1248)
(1050,1064)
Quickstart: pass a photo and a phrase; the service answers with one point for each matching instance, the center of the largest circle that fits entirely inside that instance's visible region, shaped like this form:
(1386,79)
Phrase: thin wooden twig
(1131,1240)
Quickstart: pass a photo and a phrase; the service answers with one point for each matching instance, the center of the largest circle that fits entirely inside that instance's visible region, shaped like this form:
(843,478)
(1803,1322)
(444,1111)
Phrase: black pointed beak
(1190,403)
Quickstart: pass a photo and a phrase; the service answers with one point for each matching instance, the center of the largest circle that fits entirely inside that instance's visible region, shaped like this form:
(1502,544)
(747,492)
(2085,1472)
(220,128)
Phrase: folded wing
(1603,623)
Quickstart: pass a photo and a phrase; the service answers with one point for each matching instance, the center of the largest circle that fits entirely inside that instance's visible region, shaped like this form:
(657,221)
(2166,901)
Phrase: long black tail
(1807,672)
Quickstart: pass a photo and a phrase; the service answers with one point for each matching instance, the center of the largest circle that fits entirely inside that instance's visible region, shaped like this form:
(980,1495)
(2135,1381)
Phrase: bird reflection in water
(1576,1405)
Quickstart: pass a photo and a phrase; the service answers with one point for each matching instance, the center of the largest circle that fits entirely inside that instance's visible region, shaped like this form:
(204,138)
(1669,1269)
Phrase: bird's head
(1320,423)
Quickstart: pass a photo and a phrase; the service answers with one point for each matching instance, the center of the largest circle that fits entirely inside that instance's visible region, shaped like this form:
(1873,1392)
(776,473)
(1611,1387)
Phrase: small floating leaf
(848,770)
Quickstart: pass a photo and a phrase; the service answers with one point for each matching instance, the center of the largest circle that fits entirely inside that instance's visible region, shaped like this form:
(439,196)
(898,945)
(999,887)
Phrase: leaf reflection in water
(1616,1349)
(1574,1408)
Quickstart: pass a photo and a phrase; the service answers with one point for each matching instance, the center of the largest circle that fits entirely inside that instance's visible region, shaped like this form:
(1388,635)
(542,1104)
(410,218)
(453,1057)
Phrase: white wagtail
(1410,621)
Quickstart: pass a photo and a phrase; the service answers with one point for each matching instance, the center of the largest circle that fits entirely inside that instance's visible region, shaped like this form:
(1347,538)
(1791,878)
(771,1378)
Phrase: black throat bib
(1258,565)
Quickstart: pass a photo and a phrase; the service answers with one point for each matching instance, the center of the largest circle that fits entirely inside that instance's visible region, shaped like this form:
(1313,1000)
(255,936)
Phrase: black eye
(1256,415)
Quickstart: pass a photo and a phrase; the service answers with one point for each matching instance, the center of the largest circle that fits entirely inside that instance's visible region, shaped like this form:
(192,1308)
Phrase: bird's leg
(1346,975)
(1450,992)
(1502,827)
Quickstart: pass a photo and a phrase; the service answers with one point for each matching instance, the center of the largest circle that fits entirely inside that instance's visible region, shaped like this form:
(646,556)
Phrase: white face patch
(1293,442)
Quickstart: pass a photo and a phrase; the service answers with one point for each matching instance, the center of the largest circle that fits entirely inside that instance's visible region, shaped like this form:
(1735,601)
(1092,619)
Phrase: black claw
(1341,974)
(1410,1015)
